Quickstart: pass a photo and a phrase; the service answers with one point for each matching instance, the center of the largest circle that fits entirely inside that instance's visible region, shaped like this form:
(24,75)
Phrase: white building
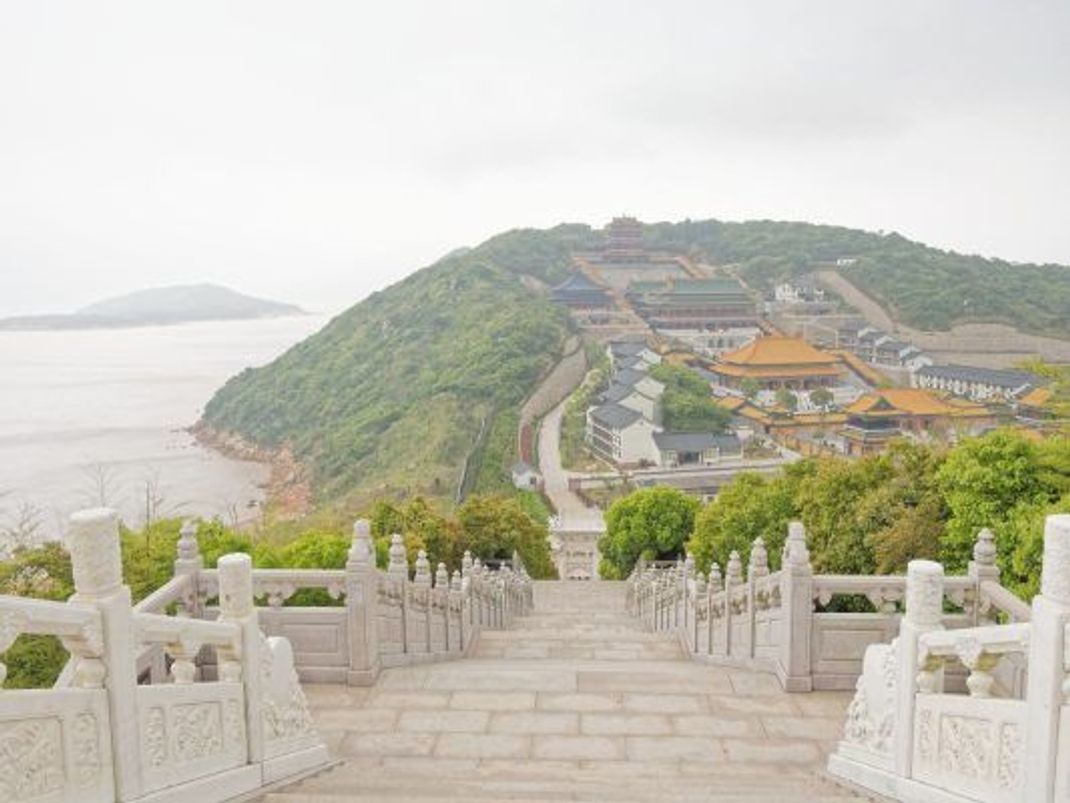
(696,448)
(978,384)
(620,434)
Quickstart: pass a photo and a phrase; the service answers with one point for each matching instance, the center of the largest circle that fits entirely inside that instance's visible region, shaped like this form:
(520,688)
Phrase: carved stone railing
(785,622)
(913,735)
(100,736)
(379,619)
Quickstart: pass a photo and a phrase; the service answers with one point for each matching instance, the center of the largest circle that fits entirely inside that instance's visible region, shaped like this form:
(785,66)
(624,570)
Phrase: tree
(750,388)
(493,527)
(982,481)
(653,523)
(822,397)
(787,399)
(686,404)
(748,507)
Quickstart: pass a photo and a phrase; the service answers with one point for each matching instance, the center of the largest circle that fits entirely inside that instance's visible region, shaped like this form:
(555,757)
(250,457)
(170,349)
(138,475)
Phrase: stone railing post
(733,579)
(188,563)
(1048,686)
(398,570)
(924,612)
(362,607)
(757,569)
(687,589)
(93,542)
(797,612)
(236,605)
(982,569)
(442,596)
(458,625)
(421,587)
(713,588)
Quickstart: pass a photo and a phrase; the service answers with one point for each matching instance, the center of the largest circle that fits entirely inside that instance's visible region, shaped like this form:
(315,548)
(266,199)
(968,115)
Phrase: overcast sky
(314,152)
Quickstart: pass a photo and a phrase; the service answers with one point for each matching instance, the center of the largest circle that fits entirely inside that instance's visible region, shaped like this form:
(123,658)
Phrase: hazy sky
(316,151)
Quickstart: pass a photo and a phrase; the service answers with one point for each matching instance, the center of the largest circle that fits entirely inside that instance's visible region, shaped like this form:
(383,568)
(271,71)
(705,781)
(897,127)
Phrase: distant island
(157,306)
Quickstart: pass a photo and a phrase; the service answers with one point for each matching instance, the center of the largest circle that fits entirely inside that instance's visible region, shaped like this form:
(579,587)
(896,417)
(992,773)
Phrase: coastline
(288,490)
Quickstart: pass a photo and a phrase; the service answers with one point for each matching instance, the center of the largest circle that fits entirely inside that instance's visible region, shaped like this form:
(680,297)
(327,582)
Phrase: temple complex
(876,418)
(624,239)
(579,292)
(693,303)
(775,362)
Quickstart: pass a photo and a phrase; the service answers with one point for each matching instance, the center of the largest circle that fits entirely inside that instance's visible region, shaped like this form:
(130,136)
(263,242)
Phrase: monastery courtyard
(575,702)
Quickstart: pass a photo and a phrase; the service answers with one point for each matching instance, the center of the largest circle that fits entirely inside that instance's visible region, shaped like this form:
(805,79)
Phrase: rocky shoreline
(288,489)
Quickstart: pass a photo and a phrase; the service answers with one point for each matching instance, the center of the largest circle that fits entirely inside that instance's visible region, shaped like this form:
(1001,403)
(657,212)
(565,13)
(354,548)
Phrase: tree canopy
(687,405)
(652,523)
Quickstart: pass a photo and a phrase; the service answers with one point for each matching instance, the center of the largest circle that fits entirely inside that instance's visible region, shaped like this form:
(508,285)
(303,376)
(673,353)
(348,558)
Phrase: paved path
(575,703)
(571,510)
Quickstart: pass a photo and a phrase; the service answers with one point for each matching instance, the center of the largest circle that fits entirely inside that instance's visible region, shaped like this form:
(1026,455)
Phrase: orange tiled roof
(731,402)
(778,350)
(775,371)
(1037,397)
(912,401)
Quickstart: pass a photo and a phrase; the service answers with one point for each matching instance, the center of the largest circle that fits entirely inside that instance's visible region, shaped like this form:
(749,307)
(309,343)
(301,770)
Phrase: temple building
(693,303)
(775,362)
(876,418)
(624,238)
(579,292)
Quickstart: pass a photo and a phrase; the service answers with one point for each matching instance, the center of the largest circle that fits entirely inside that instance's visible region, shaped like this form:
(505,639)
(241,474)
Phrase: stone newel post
(924,613)
(733,578)
(797,604)
(188,561)
(1048,686)
(362,606)
(236,605)
(983,569)
(93,542)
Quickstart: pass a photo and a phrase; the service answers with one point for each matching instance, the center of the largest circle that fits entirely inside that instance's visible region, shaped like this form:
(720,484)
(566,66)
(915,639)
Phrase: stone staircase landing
(574,703)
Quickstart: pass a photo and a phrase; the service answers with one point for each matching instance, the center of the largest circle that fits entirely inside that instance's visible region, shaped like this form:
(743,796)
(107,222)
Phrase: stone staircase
(575,702)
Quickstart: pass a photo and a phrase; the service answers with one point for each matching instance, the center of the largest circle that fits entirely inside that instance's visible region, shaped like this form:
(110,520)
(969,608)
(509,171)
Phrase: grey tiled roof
(624,348)
(614,416)
(617,392)
(986,376)
(695,442)
(628,376)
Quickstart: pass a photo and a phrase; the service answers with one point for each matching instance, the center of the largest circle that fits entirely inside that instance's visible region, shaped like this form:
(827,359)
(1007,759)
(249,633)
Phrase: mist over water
(104,412)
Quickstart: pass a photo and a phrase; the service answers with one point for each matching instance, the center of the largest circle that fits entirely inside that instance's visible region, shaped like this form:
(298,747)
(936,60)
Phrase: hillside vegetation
(403,390)
(923,287)
(421,383)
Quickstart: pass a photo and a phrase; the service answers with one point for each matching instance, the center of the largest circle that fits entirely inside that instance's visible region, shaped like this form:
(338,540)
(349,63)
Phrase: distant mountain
(158,305)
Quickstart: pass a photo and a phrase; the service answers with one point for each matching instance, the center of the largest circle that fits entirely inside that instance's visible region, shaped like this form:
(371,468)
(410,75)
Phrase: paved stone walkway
(575,703)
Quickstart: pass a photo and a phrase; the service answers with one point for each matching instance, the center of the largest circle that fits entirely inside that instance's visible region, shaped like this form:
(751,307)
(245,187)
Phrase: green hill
(396,393)
(406,388)
(923,287)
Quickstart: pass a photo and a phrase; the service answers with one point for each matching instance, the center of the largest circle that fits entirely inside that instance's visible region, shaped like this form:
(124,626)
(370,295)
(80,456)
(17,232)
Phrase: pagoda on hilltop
(624,239)
(778,362)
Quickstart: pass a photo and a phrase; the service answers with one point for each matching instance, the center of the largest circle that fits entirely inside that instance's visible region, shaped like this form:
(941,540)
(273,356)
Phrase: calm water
(83,413)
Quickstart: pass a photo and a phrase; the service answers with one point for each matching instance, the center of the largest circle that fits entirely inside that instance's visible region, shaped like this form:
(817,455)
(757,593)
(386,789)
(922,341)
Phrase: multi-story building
(693,303)
(775,362)
(579,292)
(621,434)
(979,384)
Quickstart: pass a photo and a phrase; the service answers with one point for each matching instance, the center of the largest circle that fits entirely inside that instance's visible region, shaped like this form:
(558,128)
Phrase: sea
(101,417)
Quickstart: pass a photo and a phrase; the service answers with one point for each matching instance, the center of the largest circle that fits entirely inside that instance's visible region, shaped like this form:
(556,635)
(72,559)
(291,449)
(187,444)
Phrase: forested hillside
(921,286)
(400,392)
(393,395)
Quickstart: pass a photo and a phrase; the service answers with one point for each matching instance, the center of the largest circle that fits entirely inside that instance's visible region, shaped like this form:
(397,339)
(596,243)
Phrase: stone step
(574,702)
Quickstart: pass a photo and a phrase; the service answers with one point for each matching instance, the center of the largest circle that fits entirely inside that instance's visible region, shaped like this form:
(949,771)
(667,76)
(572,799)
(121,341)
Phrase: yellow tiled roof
(1037,397)
(778,350)
(912,401)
